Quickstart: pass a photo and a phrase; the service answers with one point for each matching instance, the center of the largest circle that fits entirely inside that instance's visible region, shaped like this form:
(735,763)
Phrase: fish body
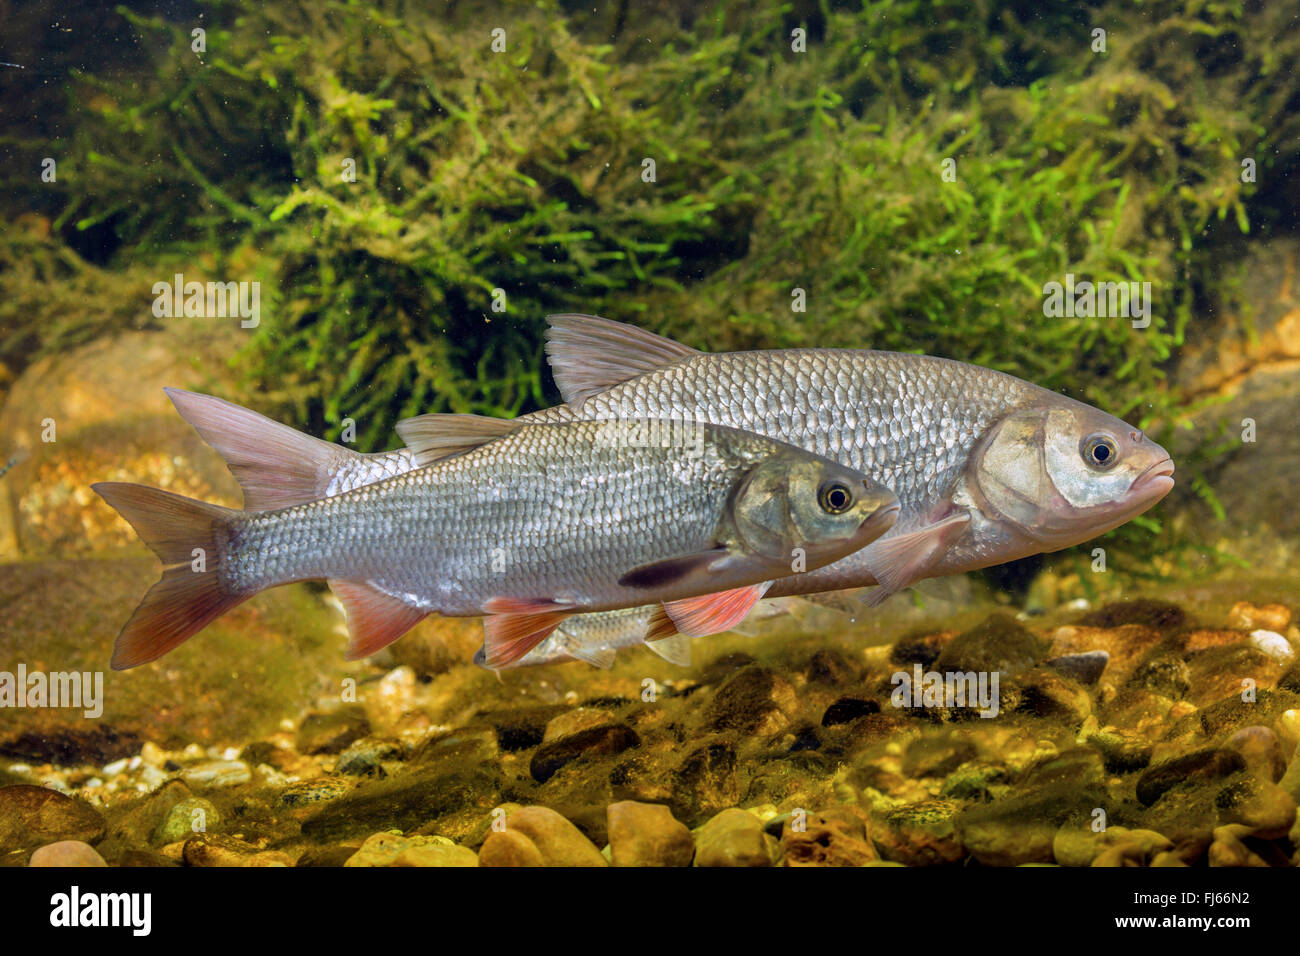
(525,523)
(596,638)
(987,467)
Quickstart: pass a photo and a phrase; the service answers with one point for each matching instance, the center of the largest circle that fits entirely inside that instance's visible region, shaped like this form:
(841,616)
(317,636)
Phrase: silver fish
(528,523)
(597,637)
(987,467)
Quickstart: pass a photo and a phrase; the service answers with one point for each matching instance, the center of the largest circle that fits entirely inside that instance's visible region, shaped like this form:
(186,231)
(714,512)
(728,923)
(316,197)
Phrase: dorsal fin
(589,354)
(276,466)
(431,438)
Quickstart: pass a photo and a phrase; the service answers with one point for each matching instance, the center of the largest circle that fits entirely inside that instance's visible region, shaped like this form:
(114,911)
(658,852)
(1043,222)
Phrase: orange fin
(714,613)
(660,626)
(180,531)
(375,619)
(589,355)
(898,560)
(514,626)
(431,438)
(276,466)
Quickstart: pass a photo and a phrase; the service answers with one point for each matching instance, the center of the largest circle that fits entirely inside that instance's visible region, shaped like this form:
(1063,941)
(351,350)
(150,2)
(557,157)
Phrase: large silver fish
(528,523)
(987,467)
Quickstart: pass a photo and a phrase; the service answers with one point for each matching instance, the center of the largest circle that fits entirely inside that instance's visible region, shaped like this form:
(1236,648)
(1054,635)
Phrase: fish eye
(1100,451)
(834,497)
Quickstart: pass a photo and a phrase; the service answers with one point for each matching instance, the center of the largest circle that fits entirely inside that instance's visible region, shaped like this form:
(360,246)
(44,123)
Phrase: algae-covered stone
(187,817)
(1020,828)
(593,742)
(752,700)
(647,834)
(33,816)
(332,732)
(309,792)
(834,837)
(705,782)
(999,644)
(734,838)
(1190,770)
(921,834)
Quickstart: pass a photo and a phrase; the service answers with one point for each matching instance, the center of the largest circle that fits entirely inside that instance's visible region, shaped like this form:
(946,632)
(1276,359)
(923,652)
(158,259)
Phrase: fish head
(1062,472)
(796,501)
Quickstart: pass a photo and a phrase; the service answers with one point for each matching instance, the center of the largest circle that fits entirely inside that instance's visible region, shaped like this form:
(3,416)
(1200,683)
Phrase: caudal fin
(277,466)
(189,537)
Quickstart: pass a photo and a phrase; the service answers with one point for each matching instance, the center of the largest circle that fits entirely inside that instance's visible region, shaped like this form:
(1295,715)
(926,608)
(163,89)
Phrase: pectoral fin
(897,560)
(670,571)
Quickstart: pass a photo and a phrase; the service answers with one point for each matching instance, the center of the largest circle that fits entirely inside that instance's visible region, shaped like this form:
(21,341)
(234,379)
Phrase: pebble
(921,834)
(208,849)
(217,773)
(392,849)
(705,782)
(187,817)
(557,841)
(331,733)
(33,816)
(647,834)
(1274,617)
(1086,667)
(1273,644)
(607,740)
(752,700)
(834,837)
(734,838)
(1077,844)
(1264,807)
(66,853)
(509,848)
(152,754)
(1194,768)
(365,757)
(1261,750)
(1227,850)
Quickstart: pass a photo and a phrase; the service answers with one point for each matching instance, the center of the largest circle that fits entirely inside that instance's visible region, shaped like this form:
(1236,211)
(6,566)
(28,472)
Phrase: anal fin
(375,619)
(513,627)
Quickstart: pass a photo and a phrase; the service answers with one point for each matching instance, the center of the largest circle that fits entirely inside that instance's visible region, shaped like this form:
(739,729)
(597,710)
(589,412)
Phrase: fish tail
(275,465)
(190,538)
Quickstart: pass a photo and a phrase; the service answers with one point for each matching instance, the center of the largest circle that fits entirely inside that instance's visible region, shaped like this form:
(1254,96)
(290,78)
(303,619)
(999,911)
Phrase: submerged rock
(734,838)
(66,853)
(33,816)
(647,834)
(553,839)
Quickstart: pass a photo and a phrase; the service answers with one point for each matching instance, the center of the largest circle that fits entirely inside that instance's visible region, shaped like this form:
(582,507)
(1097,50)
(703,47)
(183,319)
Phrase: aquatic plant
(523,172)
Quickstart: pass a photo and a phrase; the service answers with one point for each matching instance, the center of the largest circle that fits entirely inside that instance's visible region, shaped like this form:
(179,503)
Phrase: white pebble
(114,768)
(1273,644)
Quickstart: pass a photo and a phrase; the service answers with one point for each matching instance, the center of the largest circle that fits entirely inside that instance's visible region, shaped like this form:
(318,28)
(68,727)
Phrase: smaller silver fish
(527,523)
(596,639)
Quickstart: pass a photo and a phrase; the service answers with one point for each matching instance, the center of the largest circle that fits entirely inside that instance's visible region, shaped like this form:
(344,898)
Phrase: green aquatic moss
(523,173)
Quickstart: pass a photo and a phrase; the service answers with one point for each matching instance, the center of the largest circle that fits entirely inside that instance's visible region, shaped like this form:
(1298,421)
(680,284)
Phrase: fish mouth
(880,520)
(1156,481)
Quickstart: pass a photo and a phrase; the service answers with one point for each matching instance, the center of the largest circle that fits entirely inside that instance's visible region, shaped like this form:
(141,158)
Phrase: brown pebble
(509,848)
(1249,616)
(647,834)
(67,853)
